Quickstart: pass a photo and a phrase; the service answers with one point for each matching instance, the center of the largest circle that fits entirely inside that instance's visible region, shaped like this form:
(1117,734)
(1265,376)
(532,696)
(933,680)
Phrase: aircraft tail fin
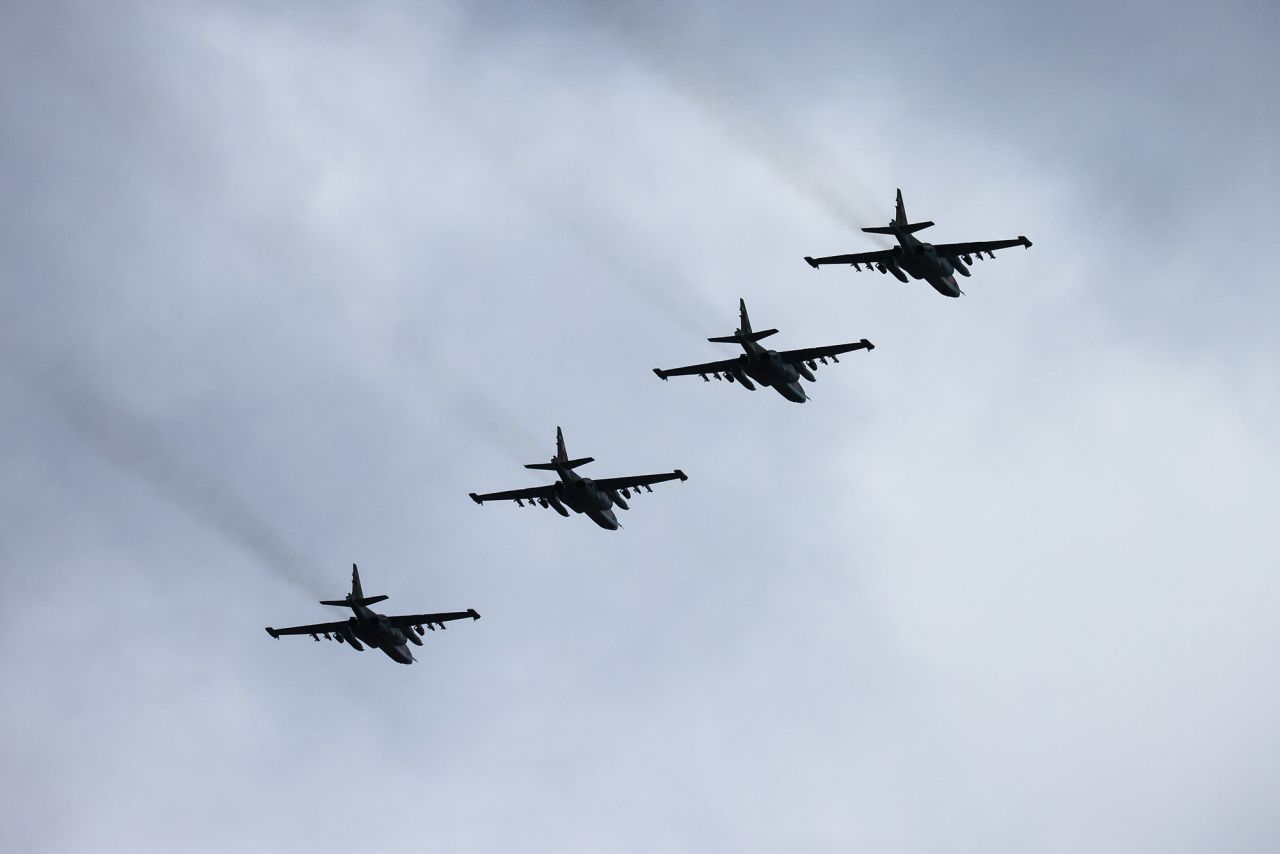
(361,600)
(561,464)
(356,596)
(561,459)
(743,332)
(906,228)
(750,336)
(899,223)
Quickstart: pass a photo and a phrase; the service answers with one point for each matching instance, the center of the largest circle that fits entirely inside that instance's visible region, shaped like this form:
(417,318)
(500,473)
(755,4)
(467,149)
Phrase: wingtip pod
(1026,244)
(475,498)
(661,374)
(868,344)
(680,474)
(273,633)
(812,263)
(471,612)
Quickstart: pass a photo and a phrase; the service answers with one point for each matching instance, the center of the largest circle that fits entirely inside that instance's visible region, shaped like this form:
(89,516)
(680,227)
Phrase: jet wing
(868,258)
(639,480)
(724,365)
(808,354)
(403,622)
(977,247)
(531,493)
(318,628)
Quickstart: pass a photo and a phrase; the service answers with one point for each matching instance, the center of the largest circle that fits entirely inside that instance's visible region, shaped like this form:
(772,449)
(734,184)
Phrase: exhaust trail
(501,428)
(136,449)
(812,172)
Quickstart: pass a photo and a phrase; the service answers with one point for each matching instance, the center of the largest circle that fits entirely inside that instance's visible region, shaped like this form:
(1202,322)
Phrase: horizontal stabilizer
(359,600)
(900,229)
(750,336)
(567,464)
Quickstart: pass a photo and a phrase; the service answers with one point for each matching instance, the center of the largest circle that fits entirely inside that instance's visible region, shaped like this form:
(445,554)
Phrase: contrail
(136,449)
(486,416)
(789,153)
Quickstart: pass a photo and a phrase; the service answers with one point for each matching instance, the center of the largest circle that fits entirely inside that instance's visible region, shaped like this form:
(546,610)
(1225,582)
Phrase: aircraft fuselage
(373,629)
(581,495)
(769,369)
(921,261)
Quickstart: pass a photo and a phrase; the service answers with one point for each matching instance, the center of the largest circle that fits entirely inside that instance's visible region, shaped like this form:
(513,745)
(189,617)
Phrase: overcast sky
(281,283)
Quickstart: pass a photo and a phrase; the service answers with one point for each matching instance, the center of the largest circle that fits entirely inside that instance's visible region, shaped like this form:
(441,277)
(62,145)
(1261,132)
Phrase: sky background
(281,283)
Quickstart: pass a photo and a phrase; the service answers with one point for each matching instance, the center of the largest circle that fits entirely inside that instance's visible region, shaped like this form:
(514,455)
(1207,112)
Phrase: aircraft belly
(792,391)
(605,519)
(945,285)
(399,654)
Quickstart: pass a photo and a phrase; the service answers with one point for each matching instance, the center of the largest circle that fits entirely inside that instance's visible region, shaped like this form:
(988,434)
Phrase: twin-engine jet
(392,635)
(596,498)
(935,264)
(780,370)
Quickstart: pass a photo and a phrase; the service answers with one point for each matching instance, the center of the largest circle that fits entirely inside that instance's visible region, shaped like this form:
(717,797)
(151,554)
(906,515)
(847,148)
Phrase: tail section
(744,332)
(356,596)
(561,459)
(899,224)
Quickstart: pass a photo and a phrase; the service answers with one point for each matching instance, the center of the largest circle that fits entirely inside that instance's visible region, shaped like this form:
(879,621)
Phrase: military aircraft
(935,264)
(392,635)
(596,498)
(782,370)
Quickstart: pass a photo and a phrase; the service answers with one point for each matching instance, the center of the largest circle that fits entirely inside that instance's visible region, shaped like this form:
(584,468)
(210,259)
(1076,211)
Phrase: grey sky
(280,287)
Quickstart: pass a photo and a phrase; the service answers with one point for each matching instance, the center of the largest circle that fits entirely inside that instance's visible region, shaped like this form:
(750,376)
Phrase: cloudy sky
(281,283)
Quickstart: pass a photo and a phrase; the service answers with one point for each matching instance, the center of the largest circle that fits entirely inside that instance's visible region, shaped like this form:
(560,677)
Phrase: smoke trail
(789,153)
(668,293)
(136,449)
(503,429)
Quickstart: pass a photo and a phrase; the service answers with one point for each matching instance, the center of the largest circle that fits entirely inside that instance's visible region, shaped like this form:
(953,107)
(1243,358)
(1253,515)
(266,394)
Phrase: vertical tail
(356,591)
(561,459)
(356,596)
(744,332)
(899,224)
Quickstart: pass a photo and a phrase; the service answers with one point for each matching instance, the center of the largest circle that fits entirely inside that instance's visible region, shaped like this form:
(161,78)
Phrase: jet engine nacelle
(958,265)
(617,499)
(412,636)
(350,637)
(897,272)
(739,373)
(557,506)
(805,372)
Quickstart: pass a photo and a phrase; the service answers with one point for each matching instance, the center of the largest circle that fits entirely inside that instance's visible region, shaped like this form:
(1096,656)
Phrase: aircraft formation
(597,499)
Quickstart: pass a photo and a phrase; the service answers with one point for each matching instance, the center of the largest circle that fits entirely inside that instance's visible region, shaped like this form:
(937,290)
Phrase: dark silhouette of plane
(780,370)
(392,635)
(935,264)
(596,498)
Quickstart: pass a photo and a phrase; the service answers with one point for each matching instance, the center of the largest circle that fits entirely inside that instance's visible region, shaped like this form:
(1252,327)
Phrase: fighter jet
(935,264)
(596,498)
(782,370)
(392,635)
